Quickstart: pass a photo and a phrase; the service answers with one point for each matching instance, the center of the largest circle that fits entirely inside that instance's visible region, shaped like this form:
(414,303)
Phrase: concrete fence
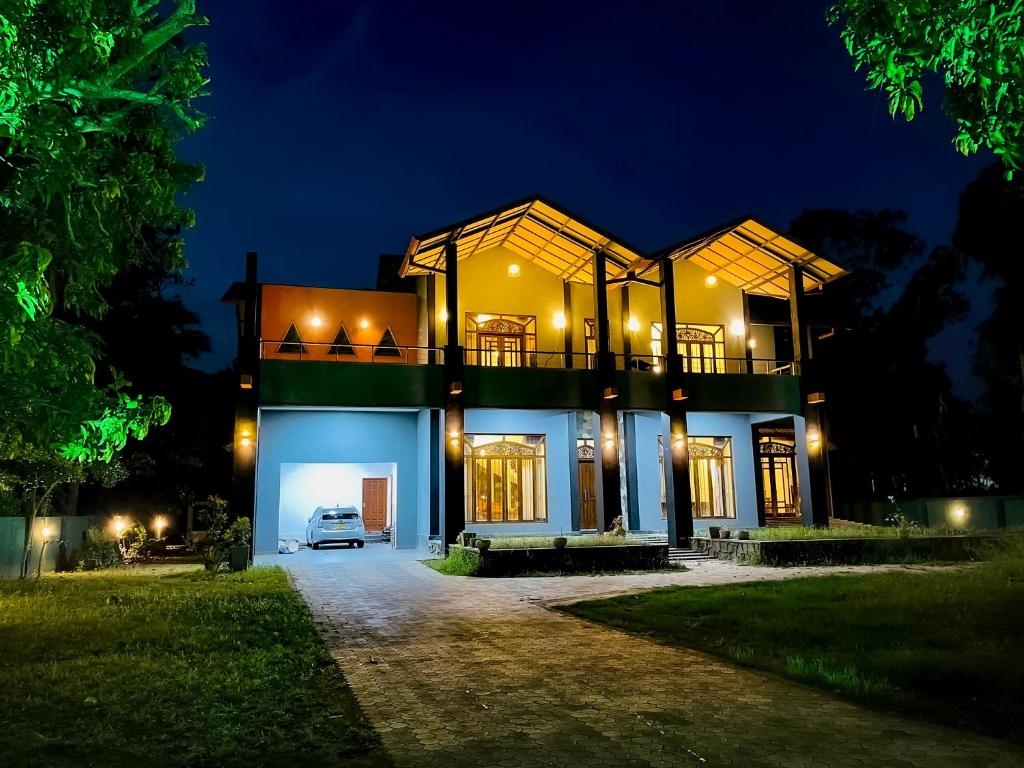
(47,553)
(979,513)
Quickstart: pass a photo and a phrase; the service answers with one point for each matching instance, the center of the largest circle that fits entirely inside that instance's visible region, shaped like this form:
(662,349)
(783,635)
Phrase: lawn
(945,645)
(128,668)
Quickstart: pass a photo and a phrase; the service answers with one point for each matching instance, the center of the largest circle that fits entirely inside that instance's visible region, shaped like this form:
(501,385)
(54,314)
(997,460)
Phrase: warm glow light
(656,368)
(364,323)
(245,442)
(710,281)
(960,513)
(118,526)
(159,524)
(737,327)
(316,321)
(513,270)
(443,314)
(559,320)
(633,324)
(814,437)
(752,343)
(47,531)
(482,318)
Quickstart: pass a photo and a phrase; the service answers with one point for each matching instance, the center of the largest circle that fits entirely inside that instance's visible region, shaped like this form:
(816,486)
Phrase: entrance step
(678,556)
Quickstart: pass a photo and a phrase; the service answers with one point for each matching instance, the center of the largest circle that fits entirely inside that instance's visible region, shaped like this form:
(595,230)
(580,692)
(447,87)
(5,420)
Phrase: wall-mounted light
(737,327)
(364,323)
(245,442)
(633,324)
(815,398)
(514,269)
(443,315)
(47,532)
(315,321)
(245,381)
(679,394)
(455,388)
(752,343)
(678,440)
(453,438)
(656,368)
(559,320)
(813,438)
(710,281)
(610,393)
(960,513)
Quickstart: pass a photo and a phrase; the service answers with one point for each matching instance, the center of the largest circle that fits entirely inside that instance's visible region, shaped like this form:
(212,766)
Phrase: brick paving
(478,672)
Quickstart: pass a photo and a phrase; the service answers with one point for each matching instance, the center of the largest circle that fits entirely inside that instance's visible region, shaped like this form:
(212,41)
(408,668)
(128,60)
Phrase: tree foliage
(94,97)
(977,46)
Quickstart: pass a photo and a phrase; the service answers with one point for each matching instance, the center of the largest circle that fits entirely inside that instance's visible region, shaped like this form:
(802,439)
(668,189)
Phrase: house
(522,383)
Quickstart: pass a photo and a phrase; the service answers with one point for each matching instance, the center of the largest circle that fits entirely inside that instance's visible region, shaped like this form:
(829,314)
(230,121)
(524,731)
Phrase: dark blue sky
(338,130)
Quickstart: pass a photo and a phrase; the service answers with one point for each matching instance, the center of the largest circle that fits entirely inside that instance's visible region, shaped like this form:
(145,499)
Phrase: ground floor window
(711,481)
(505,479)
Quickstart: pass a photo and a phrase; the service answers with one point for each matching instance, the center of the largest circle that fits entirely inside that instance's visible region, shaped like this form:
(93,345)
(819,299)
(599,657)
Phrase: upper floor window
(508,341)
(702,347)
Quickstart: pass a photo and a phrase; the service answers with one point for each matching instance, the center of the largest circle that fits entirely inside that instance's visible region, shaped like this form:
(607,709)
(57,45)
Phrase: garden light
(159,523)
(119,526)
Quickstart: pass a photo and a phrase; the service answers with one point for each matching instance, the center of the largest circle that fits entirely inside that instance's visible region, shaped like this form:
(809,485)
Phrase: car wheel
(316,546)
(360,544)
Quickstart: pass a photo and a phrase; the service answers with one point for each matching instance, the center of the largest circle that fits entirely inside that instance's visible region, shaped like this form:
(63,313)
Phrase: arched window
(711,483)
(505,479)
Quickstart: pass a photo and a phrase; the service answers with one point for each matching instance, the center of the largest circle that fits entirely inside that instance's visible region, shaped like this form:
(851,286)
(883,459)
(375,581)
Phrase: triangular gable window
(342,344)
(292,343)
(387,346)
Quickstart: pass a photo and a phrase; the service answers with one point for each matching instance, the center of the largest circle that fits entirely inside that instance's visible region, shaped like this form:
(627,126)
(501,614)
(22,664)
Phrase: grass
(944,645)
(456,563)
(125,668)
(793,532)
(530,542)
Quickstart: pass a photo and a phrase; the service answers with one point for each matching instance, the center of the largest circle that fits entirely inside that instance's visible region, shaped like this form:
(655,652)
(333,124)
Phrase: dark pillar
(748,352)
(678,501)
(609,499)
(454,416)
(436,446)
(755,440)
(627,336)
(243,491)
(814,414)
(567,332)
(431,318)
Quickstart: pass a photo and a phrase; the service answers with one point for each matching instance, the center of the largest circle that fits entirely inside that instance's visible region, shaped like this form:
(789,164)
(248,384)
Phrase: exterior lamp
(610,393)
(815,398)
(47,532)
(752,343)
(960,513)
(677,440)
(679,394)
(316,322)
(710,281)
(559,320)
(737,327)
(453,438)
(118,525)
(364,323)
(513,270)
(245,381)
(159,523)
(656,368)
(814,438)
(443,314)
(245,442)
(455,388)
(633,324)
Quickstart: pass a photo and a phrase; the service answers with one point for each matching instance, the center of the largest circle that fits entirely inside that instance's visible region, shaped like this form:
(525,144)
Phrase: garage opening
(318,501)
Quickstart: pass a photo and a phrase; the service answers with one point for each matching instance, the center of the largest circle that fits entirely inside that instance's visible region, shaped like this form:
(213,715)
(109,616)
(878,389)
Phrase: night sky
(339,130)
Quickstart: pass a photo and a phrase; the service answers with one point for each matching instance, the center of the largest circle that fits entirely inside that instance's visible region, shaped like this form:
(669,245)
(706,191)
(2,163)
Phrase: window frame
(505,458)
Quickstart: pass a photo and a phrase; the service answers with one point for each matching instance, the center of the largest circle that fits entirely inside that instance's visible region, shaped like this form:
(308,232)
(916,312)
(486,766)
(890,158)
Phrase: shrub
(220,536)
(459,562)
(99,550)
(239,533)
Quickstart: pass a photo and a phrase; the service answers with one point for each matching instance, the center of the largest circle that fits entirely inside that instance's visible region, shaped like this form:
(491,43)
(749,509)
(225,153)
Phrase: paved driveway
(477,672)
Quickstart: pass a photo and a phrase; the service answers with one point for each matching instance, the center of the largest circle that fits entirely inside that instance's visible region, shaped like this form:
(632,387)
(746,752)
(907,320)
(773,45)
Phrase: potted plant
(560,542)
(743,535)
(713,531)
(238,536)
(483,544)
(725,533)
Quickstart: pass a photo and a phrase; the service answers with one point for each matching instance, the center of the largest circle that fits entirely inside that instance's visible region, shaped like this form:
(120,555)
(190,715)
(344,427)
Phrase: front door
(501,350)
(375,503)
(588,500)
(778,474)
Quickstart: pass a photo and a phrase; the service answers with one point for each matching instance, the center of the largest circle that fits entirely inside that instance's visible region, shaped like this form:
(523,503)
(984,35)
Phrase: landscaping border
(514,562)
(850,551)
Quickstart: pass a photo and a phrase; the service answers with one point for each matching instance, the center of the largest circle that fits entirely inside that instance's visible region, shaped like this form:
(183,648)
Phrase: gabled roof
(752,257)
(534,228)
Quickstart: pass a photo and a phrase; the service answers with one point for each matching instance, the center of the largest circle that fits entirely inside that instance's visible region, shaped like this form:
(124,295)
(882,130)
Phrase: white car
(335,525)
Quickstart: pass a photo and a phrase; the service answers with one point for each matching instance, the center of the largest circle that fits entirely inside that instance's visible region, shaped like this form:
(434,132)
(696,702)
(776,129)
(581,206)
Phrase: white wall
(304,487)
(556,427)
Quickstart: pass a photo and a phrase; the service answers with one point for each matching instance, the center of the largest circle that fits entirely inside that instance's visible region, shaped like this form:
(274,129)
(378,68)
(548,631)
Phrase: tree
(94,96)
(912,438)
(989,209)
(977,46)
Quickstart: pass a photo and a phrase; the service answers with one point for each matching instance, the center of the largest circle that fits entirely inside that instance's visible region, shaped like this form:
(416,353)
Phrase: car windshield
(338,515)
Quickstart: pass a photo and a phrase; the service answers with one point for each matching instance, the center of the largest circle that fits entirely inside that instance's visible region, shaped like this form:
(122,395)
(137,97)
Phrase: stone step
(686,556)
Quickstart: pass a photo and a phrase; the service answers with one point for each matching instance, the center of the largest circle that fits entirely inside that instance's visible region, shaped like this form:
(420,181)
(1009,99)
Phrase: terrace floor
(464,672)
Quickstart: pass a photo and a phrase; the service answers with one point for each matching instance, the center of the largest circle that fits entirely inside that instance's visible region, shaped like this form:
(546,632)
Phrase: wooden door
(375,503)
(501,350)
(588,500)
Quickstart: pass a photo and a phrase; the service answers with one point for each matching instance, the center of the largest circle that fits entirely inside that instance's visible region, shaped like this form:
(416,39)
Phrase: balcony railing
(414,355)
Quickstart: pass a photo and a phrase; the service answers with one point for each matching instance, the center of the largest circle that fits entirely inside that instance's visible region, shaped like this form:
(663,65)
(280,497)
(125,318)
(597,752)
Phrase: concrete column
(678,501)
(567,333)
(247,369)
(454,409)
(609,499)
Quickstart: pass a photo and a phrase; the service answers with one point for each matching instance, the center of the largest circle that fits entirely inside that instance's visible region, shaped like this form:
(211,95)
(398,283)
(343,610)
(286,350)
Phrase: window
(702,347)
(387,346)
(711,483)
(505,479)
(505,341)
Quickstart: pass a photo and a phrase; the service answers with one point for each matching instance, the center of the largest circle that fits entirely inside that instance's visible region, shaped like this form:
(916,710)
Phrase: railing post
(678,501)
(454,408)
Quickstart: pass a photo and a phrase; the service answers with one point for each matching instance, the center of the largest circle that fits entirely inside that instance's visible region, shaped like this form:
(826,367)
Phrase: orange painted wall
(286,304)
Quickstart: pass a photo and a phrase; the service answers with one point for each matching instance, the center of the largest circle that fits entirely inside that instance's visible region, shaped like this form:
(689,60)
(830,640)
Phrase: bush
(99,550)
(220,536)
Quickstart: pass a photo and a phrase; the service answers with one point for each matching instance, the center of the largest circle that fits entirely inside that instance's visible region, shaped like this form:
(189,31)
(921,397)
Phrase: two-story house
(538,375)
